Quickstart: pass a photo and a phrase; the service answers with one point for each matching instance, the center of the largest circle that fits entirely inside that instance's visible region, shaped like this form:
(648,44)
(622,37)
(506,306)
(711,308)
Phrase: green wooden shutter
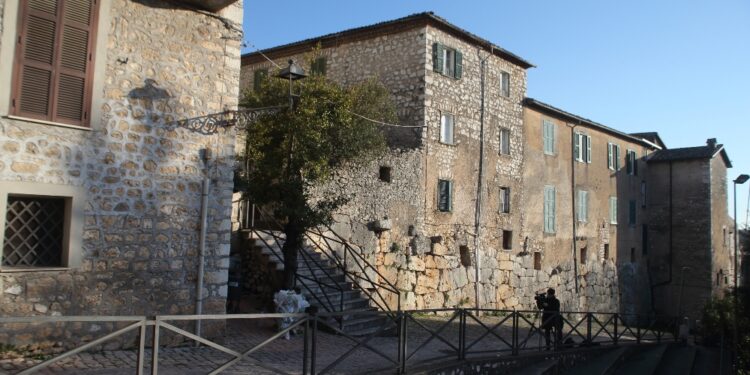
(577,146)
(609,156)
(588,149)
(437,57)
(258,77)
(459,67)
(549,209)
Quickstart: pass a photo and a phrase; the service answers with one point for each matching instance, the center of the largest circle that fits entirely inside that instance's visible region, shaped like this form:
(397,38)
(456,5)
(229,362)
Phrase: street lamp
(293,72)
(741,179)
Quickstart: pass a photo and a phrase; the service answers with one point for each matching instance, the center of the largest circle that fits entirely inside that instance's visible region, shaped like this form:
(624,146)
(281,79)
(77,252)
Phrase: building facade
(100,181)
(490,196)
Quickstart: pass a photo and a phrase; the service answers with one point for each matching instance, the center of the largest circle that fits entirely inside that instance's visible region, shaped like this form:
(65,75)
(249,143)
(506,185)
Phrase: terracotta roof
(383,28)
(559,113)
(708,151)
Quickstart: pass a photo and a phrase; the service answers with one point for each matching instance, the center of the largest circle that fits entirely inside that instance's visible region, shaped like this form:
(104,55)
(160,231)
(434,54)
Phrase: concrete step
(604,364)
(545,367)
(677,360)
(644,361)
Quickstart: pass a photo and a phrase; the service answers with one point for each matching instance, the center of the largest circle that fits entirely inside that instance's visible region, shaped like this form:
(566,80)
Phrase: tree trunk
(292,244)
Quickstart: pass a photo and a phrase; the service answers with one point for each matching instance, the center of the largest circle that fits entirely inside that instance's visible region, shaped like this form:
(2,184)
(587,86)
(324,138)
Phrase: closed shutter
(610,165)
(437,57)
(53,60)
(459,66)
(548,133)
(549,209)
(444,195)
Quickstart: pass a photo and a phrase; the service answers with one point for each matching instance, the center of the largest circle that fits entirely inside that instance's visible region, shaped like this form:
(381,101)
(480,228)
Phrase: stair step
(643,362)
(601,365)
(678,360)
(538,368)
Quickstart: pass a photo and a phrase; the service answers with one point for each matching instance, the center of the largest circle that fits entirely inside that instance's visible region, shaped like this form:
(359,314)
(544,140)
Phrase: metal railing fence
(420,337)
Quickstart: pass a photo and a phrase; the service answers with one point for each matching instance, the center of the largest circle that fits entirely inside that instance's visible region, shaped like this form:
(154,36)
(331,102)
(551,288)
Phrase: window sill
(447,144)
(58,124)
(34,269)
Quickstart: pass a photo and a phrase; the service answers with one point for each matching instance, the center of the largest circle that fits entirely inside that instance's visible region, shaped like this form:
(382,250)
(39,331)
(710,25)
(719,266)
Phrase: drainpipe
(202,248)
(478,210)
(573,197)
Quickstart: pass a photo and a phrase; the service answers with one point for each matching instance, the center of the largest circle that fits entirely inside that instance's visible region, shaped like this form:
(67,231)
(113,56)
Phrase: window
(631,213)
(504,200)
(582,148)
(613,156)
(632,255)
(447,61)
(582,209)
(505,84)
(583,255)
(549,209)
(507,240)
(53,70)
(446,128)
(318,66)
(548,136)
(259,76)
(505,141)
(465,254)
(445,195)
(385,174)
(606,251)
(643,193)
(613,210)
(537,260)
(631,163)
(42,225)
(724,236)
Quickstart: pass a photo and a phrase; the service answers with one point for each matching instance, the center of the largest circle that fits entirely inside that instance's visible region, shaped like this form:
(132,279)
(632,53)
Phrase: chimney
(711,142)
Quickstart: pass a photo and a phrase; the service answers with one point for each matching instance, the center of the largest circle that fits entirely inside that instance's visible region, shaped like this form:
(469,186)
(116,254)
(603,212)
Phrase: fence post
(589,317)
(141,347)
(616,318)
(637,329)
(402,344)
(514,340)
(313,352)
(306,347)
(155,349)
(461,334)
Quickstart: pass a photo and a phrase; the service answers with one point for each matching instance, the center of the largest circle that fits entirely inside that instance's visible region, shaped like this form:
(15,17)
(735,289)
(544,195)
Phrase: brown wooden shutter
(54,56)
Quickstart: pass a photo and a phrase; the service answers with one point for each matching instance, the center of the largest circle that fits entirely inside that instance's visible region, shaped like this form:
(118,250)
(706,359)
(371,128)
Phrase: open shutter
(588,149)
(609,156)
(53,60)
(459,67)
(437,57)
(577,147)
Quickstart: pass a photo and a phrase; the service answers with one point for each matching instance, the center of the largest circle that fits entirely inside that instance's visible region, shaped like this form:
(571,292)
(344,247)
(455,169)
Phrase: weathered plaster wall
(722,261)
(142,174)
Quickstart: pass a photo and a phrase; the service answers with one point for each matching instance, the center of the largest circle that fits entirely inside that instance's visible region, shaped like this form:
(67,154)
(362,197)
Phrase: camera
(541,299)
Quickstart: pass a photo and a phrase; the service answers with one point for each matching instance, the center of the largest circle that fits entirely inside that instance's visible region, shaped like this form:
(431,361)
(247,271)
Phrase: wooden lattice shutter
(53,61)
(437,57)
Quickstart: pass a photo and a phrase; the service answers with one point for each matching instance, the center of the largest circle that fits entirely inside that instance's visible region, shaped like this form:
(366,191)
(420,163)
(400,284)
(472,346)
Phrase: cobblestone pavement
(286,355)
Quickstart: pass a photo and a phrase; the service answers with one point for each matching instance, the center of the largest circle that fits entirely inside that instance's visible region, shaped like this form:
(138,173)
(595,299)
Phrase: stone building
(100,182)
(488,194)
(690,232)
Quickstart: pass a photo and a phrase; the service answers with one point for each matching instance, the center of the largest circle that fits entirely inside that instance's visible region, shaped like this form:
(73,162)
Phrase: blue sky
(681,68)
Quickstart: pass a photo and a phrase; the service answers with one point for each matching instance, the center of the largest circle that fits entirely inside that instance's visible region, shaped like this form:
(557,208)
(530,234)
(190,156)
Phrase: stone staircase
(324,285)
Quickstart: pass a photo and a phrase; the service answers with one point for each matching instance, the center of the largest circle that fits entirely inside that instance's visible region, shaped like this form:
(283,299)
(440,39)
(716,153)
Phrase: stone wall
(142,174)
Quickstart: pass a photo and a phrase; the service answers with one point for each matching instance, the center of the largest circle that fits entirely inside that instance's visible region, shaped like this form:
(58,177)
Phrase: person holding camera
(551,318)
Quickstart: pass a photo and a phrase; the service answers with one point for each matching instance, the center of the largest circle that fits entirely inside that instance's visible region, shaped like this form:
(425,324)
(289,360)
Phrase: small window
(606,251)
(505,84)
(507,240)
(583,255)
(445,195)
(465,255)
(613,156)
(582,148)
(318,66)
(504,200)
(631,163)
(631,213)
(447,61)
(537,260)
(632,255)
(505,141)
(582,209)
(446,128)
(34,231)
(613,210)
(644,240)
(549,209)
(259,76)
(643,193)
(548,136)
(385,174)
